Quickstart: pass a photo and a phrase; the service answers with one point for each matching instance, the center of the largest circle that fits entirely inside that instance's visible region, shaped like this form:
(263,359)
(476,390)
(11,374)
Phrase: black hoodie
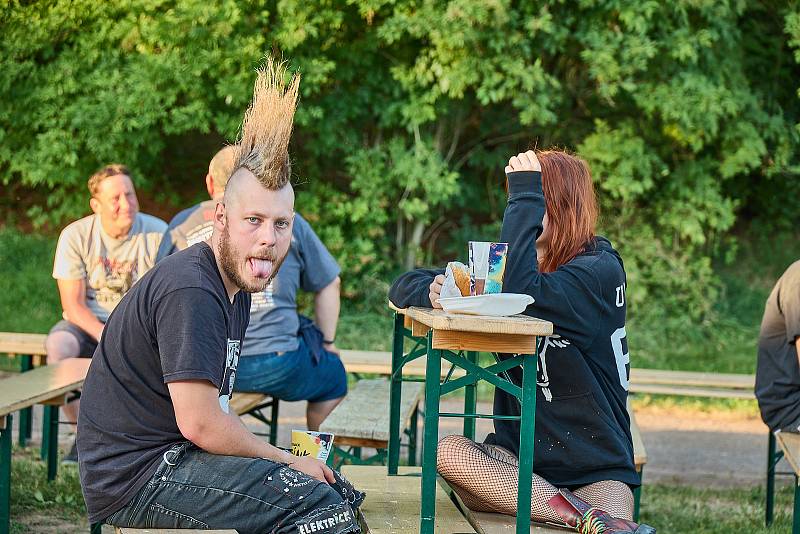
(582,425)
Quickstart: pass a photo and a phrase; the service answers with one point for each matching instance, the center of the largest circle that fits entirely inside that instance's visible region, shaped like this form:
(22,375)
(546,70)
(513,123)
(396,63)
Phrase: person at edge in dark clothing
(778,372)
(583,456)
(159,443)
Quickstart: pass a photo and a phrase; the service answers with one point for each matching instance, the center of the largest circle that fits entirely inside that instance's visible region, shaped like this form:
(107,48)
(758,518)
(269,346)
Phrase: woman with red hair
(583,458)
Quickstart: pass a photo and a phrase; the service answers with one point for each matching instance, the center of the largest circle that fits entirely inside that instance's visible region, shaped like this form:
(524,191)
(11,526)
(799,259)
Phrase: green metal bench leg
(470,401)
(526,441)
(5,476)
(637,496)
(413,438)
(45,435)
(796,513)
(25,416)
(430,441)
(771,463)
(51,421)
(395,392)
(273,422)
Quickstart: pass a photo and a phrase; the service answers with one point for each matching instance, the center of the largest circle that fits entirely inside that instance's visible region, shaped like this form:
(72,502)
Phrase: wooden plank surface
(639,453)
(691,391)
(482,342)
(41,384)
(364,412)
(489,523)
(515,324)
(495,523)
(19,343)
(393,503)
(692,378)
(244,402)
(790,443)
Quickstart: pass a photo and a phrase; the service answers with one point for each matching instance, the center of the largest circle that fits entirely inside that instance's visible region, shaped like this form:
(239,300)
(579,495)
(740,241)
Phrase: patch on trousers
(335,519)
(294,479)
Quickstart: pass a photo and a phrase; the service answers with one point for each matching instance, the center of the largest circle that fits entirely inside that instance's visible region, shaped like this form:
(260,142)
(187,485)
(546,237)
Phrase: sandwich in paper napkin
(456,280)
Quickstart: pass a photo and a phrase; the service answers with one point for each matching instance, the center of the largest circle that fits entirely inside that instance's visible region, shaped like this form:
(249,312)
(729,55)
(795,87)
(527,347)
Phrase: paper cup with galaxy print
(487,264)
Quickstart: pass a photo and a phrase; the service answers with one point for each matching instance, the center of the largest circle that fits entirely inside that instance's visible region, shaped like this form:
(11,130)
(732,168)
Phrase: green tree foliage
(687,111)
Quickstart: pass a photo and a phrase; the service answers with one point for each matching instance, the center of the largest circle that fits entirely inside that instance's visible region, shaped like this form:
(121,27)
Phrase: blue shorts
(293,376)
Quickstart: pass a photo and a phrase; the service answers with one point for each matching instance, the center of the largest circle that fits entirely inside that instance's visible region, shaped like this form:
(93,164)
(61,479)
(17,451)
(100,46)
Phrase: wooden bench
(26,345)
(359,362)
(692,383)
(31,350)
(127,530)
(48,385)
(783,445)
(393,502)
(789,447)
(639,459)
(362,420)
(254,404)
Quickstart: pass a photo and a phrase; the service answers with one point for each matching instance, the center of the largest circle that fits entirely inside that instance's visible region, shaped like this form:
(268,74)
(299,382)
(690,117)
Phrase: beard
(232,261)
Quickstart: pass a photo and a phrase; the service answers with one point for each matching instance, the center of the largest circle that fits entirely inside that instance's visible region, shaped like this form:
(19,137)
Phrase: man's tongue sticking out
(260,268)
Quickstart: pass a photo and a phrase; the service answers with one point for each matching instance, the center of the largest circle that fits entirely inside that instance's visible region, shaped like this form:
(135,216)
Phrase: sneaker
(72,455)
(586,519)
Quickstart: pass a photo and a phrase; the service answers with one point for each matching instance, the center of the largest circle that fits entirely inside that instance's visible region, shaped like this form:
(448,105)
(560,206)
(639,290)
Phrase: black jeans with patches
(195,489)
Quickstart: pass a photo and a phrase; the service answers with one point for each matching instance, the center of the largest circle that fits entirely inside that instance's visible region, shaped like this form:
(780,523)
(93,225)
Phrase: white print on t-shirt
(620,301)
(229,377)
(263,299)
(621,355)
(542,378)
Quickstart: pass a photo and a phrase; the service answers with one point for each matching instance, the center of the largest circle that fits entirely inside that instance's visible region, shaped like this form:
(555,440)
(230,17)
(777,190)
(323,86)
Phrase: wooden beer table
(457,339)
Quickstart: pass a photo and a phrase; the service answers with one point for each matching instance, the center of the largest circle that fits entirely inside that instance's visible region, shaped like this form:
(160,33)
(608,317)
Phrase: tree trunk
(413,245)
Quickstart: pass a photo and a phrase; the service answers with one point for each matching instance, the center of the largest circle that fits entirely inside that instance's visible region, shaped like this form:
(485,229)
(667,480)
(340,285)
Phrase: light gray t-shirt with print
(273,312)
(110,266)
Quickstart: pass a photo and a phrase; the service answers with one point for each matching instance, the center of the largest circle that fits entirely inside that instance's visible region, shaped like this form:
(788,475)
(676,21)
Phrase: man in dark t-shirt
(158,445)
(778,370)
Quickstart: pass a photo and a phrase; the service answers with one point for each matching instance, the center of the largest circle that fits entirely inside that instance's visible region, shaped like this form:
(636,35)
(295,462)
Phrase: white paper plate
(498,304)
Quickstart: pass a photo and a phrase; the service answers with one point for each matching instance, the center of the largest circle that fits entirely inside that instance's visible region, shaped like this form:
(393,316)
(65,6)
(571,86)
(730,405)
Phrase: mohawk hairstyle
(263,145)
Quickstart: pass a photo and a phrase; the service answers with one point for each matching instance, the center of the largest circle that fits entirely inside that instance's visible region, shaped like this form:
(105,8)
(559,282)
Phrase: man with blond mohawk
(157,443)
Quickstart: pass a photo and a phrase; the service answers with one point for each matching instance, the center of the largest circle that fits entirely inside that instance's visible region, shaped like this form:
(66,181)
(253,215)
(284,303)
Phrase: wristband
(328,341)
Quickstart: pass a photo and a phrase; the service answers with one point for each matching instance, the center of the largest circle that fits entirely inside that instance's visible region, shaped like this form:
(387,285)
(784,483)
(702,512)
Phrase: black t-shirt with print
(176,323)
(778,373)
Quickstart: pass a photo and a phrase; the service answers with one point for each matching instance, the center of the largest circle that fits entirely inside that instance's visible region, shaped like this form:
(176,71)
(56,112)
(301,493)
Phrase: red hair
(571,207)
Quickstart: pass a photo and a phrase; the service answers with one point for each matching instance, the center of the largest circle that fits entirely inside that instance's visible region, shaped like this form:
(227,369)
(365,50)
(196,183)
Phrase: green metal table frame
(435,388)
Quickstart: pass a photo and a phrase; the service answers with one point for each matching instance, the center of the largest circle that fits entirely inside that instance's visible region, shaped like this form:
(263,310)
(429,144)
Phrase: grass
(683,510)
(33,496)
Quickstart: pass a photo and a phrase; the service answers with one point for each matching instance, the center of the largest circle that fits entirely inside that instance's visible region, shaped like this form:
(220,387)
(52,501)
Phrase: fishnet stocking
(485,478)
